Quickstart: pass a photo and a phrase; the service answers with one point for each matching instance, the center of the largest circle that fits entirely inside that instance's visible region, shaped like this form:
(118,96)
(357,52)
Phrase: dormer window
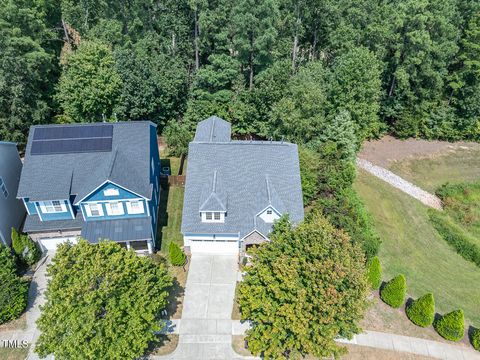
(213,216)
(269,215)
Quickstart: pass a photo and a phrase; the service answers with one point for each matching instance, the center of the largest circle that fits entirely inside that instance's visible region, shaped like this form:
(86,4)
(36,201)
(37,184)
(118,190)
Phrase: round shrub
(374,273)
(13,290)
(451,326)
(177,256)
(422,311)
(475,339)
(393,293)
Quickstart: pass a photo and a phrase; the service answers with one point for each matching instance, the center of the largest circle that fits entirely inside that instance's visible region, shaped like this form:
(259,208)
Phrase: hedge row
(455,236)
(25,249)
(13,289)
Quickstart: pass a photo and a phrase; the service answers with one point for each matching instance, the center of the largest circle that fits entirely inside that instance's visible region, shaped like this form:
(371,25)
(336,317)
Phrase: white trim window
(111,192)
(52,207)
(114,208)
(3,188)
(213,216)
(135,207)
(94,210)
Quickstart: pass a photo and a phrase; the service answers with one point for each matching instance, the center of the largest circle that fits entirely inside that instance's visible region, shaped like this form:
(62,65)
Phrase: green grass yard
(458,166)
(170,217)
(410,245)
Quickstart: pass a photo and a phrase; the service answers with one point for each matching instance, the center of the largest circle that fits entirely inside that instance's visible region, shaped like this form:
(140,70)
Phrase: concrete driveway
(206,326)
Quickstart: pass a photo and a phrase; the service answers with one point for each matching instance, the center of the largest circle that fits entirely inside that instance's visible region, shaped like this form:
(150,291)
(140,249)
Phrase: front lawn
(410,245)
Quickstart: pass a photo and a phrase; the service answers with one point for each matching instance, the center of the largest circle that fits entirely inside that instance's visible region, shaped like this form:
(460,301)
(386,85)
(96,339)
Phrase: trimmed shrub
(422,311)
(13,290)
(475,339)
(451,326)
(25,249)
(393,293)
(177,256)
(374,273)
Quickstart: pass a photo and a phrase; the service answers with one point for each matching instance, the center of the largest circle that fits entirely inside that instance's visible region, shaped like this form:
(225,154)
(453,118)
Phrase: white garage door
(214,246)
(50,244)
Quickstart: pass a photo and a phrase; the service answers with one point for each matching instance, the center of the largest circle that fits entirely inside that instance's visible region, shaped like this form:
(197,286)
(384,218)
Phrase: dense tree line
(274,68)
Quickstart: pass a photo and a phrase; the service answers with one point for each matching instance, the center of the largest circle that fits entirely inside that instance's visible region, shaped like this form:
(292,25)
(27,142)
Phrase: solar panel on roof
(73,132)
(72,139)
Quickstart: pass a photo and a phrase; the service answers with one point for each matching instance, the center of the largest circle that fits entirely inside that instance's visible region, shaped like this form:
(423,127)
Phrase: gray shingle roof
(213,129)
(252,174)
(120,230)
(34,224)
(57,176)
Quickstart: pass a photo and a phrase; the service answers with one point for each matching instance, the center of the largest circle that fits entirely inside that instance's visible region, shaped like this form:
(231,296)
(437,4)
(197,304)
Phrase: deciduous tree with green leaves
(303,290)
(90,86)
(102,302)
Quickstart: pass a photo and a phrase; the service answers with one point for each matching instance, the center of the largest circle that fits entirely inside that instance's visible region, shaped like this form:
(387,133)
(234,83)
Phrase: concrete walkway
(396,181)
(206,327)
(434,349)
(36,298)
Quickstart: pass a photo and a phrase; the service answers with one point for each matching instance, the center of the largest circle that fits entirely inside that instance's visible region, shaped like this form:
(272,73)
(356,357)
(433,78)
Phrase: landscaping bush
(177,256)
(25,249)
(451,326)
(13,290)
(393,293)
(422,311)
(374,273)
(475,339)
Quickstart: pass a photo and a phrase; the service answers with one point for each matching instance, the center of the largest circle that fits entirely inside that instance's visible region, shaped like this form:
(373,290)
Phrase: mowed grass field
(410,245)
(462,165)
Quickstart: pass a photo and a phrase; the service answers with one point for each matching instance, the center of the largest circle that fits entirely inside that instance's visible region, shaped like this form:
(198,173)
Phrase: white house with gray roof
(12,211)
(235,190)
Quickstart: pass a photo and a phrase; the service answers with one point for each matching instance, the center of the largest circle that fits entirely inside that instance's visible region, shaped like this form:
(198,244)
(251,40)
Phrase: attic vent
(111,192)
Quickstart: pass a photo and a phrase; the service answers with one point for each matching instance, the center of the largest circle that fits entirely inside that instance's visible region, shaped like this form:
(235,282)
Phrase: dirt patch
(388,149)
(356,352)
(166,345)
(175,300)
(238,345)
(17,324)
(383,318)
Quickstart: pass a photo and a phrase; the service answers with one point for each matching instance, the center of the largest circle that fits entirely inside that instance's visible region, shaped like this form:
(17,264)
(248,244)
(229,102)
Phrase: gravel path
(401,184)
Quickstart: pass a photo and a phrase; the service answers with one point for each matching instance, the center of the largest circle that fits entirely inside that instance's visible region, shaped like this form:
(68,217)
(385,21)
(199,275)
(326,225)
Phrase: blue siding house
(12,211)
(95,181)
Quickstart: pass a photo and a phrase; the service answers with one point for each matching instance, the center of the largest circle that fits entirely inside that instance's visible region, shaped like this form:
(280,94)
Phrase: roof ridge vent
(212,130)
(214,184)
(268,190)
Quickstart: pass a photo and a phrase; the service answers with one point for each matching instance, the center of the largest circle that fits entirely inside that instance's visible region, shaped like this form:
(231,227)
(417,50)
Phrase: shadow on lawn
(162,219)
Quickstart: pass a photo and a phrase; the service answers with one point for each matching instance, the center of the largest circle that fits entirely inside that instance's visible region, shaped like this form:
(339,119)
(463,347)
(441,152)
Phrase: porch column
(150,247)
(128,245)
